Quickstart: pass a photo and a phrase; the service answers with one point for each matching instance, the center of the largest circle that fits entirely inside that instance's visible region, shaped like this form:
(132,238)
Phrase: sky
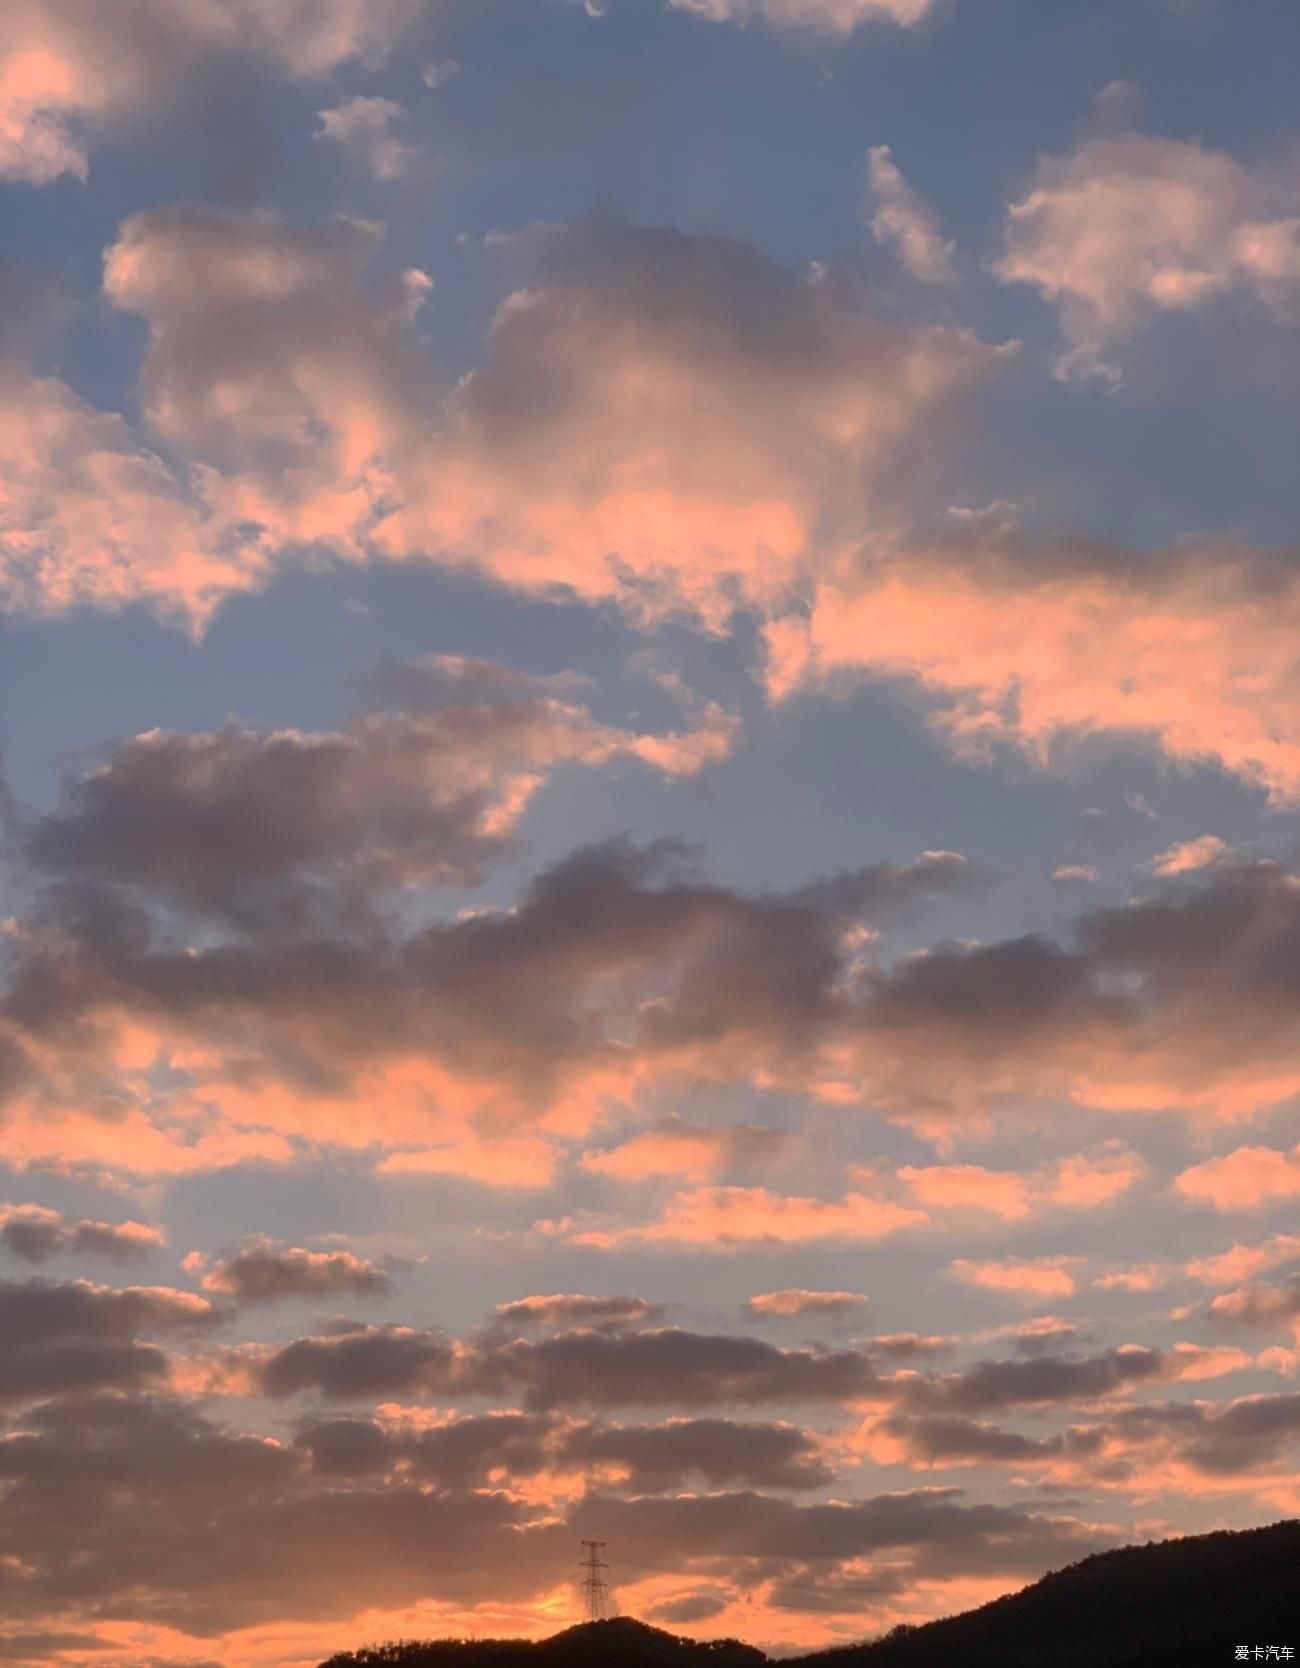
(650,741)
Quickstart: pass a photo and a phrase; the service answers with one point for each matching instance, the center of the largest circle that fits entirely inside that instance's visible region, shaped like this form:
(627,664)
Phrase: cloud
(1129,227)
(36,1233)
(1184,1443)
(78,1336)
(619,970)
(1032,1276)
(1249,1432)
(1248,1178)
(1145,1277)
(951,1535)
(837,18)
(362,1363)
(1259,1305)
(1243,1261)
(946,1439)
(574,1308)
(287,828)
(1082,1181)
(104,1482)
(89,517)
(274,365)
(1045,1379)
(584,1367)
(657,1458)
(673,1147)
(66,67)
(719,424)
(1074,874)
(733,1218)
(1188,855)
(366,129)
(903,221)
(264,1272)
(489,1011)
(722,427)
(795,1302)
(1037,645)
(311,1528)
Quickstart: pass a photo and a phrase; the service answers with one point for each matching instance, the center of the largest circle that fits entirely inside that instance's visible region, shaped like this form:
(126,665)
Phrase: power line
(595,1589)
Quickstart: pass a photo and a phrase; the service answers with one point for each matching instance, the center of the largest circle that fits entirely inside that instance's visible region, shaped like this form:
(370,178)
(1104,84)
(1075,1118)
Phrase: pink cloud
(673,1147)
(1188,855)
(796,1301)
(904,221)
(65,66)
(1245,1179)
(1081,1182)
(1128,227)
(1146,1277)
(1242,1262)
(836,18)
(1031,650)
(1032,1277)
(729,1218)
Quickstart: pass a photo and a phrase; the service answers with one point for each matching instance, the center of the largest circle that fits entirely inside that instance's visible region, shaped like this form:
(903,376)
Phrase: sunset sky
(650,725)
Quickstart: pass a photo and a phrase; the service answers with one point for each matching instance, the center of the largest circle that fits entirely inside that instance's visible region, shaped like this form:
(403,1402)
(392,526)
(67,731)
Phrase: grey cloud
(938,1437)
(1222,1439)
(622,955)
(260,828)
(694,1607)
(724,1453)
(73,1337)
(525,997)
(263,1272)
(744,1525)
(365,1363)
(145,1508)
(1261,1305)
(1248,1432)
(38,1648)
(585,1368)
(101,69)
(576,1308)
(36,1234)
(669,1367)
(460,1453)
(1042,1379)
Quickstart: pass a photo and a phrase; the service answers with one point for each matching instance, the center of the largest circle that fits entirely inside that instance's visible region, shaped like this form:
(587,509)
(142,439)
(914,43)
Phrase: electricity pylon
(595,1589)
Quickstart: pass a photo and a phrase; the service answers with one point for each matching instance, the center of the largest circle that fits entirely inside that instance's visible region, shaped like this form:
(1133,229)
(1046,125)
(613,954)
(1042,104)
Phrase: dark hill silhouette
(1188,1601)
(619,1643)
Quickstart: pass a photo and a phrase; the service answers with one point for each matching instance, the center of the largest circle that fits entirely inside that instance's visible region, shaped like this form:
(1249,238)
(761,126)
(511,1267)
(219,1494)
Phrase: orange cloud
(1025,1276)
(673,1147)
(728,1218)
(1192,652)
(1147,1277)
(1243,1262)
(1188,855)
(63,67)
(1081,1182)
(796,1301)
(1245,1179)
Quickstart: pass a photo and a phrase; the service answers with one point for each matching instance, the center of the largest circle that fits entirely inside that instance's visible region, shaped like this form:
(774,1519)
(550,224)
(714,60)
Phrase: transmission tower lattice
(595,1589)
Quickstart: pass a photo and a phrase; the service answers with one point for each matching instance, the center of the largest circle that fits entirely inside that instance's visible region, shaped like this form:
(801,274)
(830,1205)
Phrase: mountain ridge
(1194,1599)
